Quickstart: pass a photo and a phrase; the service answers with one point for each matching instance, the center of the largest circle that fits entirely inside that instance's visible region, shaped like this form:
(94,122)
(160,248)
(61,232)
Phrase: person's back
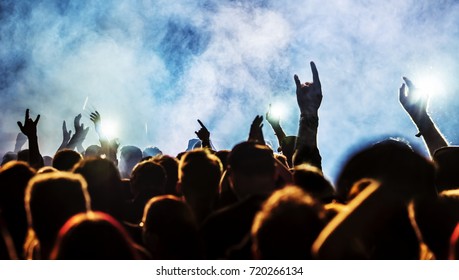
(129,157)
(287,225)
(64,160)
(252,176)
(104,185)
(50,200)
(93,236)
(170,231)
(199,177)
(148,180)
(14,177)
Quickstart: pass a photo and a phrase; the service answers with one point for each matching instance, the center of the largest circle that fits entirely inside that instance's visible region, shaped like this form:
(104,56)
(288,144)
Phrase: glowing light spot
(429,84)
(278,110)
(109,129)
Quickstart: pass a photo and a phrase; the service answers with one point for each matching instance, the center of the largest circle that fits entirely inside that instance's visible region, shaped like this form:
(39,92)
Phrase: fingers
(402,93)
(297,81)
(408,82)
(26,115)
(36,120)
(315,74)
(21,127)
(64,126)
(202,125)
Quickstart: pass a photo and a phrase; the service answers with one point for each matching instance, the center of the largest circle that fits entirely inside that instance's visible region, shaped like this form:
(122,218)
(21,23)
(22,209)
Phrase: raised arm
(20,141)
(66,134)
(274,121)
(415,104)
(80,134)
(109,147)
(204,135)
(309,98)
(29,128)
(256,132)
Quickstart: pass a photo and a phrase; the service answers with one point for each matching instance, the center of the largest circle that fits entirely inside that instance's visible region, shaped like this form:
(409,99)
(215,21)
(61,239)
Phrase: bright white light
(109,129)
(278,110)
(429,84)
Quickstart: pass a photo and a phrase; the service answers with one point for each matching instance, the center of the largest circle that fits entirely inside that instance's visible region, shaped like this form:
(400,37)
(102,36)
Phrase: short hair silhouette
(93,236)
(287,225)
(170,165)
(129,157)
(170,230)
(199,178)
(64,160)
(311,180)
(104,184)
(14,177)
(50,200)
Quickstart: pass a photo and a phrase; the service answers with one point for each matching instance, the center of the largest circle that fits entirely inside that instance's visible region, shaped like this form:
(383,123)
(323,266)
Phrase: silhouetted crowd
(250,202)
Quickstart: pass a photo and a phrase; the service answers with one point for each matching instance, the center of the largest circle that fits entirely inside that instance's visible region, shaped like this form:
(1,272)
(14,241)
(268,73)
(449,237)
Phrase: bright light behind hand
(278,110)
(109,129)
(429,84)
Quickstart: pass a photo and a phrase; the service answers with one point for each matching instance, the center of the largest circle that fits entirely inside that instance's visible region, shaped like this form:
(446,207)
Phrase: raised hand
(20,141)
(30,126)
(309,95)
(66,134)
(80,134)
(96,119)
(415,104)
(413,101)
(273,120)
(256,132)
(203,135)
(79,128)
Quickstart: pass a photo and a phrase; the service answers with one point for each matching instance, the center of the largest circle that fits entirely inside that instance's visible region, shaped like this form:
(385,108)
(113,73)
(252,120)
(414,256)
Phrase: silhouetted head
(64,160)
(170,230)
(50,200)
(199,178)
(9,156)
(93,151)
(447,161)
(148,179)
(129,157)
(199,173)
(151,152)
(311,180)
(104,184)
(14,177)
(389,161)
(252,169)
(93,236)
(23,155)
(170,165)
(287,225)
(223,156)
(47,161)
(436,220)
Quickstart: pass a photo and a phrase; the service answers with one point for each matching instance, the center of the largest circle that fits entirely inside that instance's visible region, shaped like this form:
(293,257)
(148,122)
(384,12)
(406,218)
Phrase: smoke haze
(162,65)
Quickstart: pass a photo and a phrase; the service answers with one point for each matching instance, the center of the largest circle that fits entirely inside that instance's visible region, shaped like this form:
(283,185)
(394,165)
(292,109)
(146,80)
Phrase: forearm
(432,136)
(280,134)
(306,150)
(35,158)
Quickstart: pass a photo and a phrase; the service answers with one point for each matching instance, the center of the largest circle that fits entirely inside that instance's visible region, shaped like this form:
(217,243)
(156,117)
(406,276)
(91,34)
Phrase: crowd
(250,202)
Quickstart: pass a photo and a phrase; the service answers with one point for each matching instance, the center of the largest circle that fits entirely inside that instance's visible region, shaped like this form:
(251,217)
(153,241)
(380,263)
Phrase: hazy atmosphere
(153,68)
